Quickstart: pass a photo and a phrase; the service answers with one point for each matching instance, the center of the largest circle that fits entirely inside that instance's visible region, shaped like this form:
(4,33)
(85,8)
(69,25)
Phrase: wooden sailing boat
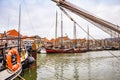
(11,65)
(12,61)
(48,50)
(62,49)
(8,69)
(26,59)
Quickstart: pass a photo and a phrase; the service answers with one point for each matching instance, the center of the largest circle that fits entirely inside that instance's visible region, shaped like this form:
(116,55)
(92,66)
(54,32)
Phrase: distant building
(13,35)
(1,37)
(46,42)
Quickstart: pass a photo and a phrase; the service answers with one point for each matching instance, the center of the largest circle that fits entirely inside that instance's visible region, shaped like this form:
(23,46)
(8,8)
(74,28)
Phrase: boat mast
(56,29)
(88,38)
(74,35)
(61,30)
(19,39)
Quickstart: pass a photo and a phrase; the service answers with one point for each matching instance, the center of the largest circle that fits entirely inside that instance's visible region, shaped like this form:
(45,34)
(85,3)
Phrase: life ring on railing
(9,59)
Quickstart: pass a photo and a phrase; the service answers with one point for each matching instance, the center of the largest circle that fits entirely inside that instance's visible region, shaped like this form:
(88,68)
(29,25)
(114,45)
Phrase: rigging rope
(29,18)
(75,22)
(83,29)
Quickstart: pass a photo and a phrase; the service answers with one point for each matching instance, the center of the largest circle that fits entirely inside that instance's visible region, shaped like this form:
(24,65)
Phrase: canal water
(96,65)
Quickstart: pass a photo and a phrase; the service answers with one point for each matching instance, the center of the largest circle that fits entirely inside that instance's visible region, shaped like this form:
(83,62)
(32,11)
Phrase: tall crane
(100,23)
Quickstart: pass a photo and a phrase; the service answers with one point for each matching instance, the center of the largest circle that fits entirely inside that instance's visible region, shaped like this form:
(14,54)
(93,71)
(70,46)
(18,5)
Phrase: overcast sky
(38,17)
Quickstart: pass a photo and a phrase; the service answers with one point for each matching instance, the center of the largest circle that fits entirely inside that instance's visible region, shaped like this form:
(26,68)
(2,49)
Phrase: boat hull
(64,51)
(9,75)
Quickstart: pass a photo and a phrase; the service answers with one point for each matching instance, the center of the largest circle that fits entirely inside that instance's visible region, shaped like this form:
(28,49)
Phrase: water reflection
(60,66)
(28,74)
(83,66)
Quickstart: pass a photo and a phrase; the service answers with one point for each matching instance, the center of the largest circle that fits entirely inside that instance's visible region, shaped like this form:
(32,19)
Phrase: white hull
(43,51)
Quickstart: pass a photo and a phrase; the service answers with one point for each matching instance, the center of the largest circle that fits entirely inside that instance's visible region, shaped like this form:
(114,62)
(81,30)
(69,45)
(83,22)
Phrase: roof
(82,40)
(12,33)
(45,39)
(64,38)
(28,37)
(1,35)
(52,40)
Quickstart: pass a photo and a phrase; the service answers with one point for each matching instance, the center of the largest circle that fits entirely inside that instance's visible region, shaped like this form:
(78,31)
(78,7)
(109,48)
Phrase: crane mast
(100,23)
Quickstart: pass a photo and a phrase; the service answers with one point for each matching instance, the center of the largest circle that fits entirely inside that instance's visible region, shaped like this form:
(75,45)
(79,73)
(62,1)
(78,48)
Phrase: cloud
(38,16)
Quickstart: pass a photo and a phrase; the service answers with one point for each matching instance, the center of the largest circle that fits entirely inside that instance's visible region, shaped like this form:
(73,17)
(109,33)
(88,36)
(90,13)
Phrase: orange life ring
(9,59)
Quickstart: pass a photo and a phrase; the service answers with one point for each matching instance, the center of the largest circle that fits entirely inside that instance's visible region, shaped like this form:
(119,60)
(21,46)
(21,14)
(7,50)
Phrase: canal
(96,65)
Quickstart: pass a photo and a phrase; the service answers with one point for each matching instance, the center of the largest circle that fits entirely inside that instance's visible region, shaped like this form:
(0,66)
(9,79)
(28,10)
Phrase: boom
(100,23)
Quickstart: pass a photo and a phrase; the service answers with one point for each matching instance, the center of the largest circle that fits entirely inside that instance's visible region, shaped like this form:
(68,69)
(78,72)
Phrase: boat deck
(8,75)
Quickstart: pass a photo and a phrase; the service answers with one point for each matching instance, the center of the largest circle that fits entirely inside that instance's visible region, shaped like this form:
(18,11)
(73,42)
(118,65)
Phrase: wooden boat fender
(23,53)
(9,59)
(34,47)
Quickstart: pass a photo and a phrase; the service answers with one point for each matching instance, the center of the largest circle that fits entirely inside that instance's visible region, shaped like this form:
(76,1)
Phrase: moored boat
(43,50)
(7,74)
(64,50)
(26,59)
(12,63)
(10,67)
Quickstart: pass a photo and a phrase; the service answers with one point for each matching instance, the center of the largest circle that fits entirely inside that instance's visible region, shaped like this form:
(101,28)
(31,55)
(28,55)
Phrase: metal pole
(61,30)
(56,29)
(74,31)
(88,38)
(19,40)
